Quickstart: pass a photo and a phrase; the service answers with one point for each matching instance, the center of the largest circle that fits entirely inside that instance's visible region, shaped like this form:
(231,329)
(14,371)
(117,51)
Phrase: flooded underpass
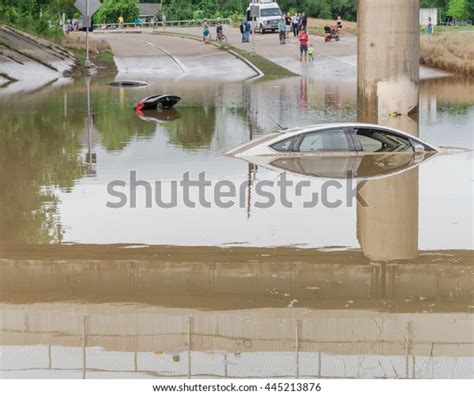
(92,290)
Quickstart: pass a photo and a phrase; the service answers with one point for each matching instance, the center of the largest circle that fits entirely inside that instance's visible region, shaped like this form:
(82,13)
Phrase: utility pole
(253,52)
(87,8)
(87,63)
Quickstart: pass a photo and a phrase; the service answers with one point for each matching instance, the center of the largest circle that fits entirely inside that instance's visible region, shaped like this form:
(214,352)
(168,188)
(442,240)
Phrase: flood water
(92,291)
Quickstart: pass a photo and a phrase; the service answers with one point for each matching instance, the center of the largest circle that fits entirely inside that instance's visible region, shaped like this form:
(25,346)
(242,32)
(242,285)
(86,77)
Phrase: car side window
(325,140)
(373,140)
(286,145)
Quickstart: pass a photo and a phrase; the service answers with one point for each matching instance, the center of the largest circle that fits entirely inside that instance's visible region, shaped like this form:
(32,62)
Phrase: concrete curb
(118,32)
(259,72)
(249,63)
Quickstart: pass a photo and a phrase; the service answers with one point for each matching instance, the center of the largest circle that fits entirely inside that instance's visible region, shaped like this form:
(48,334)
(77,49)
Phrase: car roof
(319,126)
(316,127)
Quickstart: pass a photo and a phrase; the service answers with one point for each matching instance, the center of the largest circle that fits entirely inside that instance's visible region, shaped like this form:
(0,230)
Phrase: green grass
(316,31)
(80,55)
(437,30)
(105,57)
(267,67)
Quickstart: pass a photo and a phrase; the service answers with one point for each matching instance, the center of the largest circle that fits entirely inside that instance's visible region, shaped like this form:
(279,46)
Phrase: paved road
(333,60)
(149,56)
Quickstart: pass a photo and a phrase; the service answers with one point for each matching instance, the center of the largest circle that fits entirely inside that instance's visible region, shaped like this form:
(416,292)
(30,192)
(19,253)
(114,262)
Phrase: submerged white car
(333,150)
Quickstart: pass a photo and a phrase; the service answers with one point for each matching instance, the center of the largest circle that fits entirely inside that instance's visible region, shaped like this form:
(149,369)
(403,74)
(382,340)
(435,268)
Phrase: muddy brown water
(225,292)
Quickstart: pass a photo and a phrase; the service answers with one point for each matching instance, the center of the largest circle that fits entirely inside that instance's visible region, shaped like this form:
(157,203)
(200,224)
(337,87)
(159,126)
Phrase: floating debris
(128,84)
(292,303)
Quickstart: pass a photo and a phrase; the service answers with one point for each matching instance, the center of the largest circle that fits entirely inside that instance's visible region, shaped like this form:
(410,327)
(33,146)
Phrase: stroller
(331,33)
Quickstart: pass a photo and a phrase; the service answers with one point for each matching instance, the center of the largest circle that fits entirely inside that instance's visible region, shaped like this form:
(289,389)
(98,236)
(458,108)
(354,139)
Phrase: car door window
(373,140)
(325,140)
(286,145)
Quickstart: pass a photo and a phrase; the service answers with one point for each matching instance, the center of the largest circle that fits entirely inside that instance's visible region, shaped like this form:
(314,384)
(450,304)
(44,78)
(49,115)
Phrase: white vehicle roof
(265,4)
(284,134)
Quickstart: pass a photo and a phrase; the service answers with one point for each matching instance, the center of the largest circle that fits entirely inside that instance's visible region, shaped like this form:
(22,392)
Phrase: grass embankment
(450,51)
(270,69)
(445,29)
(99,51)
(267,67)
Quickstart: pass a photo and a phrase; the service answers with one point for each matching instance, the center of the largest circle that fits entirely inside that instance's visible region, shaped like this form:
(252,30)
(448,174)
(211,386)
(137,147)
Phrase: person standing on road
(303,37)
(288,24)
(298,21)
(163,21)
(248,30)
(242,30)
(294,25)
(282,30)
(304,22)
(120,21)
(205,31)
(339,25)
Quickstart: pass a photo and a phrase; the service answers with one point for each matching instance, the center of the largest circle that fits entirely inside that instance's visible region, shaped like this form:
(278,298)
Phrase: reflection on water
(335,313)
(159,115)
(367,166)
(383,291)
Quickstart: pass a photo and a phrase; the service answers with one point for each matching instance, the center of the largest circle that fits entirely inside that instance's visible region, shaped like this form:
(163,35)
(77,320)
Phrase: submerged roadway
(147,56)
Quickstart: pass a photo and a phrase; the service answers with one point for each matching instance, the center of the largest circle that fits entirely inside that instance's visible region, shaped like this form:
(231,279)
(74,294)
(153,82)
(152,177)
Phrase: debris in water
(292,303)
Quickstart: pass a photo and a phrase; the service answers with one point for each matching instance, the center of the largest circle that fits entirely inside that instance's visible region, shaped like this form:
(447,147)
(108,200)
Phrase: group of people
(298,25)
(71,25)
(306,48)
(245,30)
(295,23)
(206,32)
(292,24)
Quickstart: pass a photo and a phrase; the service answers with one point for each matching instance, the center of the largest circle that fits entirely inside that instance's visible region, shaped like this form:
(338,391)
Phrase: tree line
(42,16)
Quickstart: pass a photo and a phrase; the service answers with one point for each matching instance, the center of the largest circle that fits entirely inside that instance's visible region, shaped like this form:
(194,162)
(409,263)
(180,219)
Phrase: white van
(268,15)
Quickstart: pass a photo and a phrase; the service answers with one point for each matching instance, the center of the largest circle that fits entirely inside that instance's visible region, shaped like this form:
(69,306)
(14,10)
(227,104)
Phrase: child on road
(311,53)
(304,38)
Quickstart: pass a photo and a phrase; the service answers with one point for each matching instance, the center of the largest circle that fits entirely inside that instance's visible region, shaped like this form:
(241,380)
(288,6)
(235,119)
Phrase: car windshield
(270,12)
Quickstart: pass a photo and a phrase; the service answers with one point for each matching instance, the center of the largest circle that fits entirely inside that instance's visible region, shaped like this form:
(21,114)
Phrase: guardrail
(158,24)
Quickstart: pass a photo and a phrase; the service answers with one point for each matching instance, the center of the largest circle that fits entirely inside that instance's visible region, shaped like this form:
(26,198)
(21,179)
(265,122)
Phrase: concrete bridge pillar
(388,56)
(387,82)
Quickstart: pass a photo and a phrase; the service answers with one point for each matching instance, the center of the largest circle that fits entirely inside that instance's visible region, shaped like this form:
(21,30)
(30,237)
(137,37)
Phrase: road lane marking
(180,64)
